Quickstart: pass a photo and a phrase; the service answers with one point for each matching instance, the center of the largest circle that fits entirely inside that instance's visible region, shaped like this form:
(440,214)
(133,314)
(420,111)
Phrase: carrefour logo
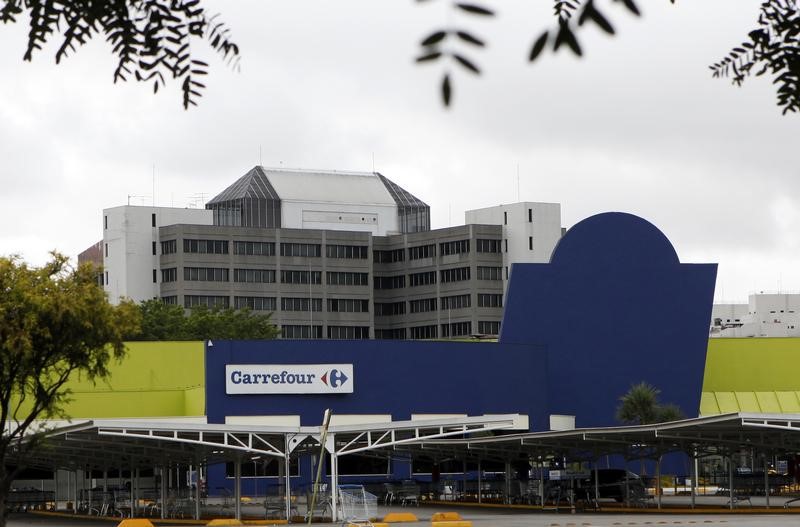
(288,378)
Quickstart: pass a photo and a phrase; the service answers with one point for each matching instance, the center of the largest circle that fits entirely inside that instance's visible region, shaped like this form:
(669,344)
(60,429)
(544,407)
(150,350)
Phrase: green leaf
(466,63)
(429,57)
(538,46)
(446,90)
(590,13)
(466,37)
(475,9)
(434,38)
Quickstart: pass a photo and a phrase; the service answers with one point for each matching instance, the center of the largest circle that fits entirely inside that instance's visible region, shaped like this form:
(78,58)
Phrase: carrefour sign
(288,378)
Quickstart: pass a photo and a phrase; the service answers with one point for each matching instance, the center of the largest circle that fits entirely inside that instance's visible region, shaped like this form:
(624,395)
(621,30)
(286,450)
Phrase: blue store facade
(614,307)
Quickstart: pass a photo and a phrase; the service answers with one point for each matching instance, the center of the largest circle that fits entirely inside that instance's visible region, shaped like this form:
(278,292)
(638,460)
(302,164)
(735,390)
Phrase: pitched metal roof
(254,184)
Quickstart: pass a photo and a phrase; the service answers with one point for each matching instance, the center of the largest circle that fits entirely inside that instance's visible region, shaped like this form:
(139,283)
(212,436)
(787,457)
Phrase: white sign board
(288,378)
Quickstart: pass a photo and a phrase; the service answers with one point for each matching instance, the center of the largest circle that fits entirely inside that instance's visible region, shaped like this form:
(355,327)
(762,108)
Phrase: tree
(161,321)
(55,322)
(152,39)
(640,406)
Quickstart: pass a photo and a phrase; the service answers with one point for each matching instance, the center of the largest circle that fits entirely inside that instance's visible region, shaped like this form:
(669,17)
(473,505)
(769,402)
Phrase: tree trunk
(5,488)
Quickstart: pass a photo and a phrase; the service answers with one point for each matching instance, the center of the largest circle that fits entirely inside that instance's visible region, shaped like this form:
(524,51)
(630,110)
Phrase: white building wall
(530,230)
(378,219)
(128,237)
(764,315)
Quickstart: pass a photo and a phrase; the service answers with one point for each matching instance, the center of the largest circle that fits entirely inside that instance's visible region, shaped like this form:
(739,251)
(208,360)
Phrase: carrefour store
(614,307)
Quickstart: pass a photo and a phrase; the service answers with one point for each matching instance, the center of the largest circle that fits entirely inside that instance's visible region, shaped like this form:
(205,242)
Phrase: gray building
(339,255)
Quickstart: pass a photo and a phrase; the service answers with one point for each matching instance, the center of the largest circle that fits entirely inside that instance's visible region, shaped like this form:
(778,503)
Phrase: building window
(169,275)
(205,246)
(301,332)
(346,251)
(490,300)
(255,303)
(456,302)
(505,245)
(301,249)
(422,251)
(505,218)
(346,278)
(456,329)
(105,222)
(506,272)
(205,274)
(155,276)
(391,334)
(221,302)
(154,249)
(488,246)
(390,282)
(422,305)
(301,304)
(389,309)
(423,332)
(153,219)
(488,327)
(490,273)
(391,256)
(418,279)
(530,243)
(170,300)
(530,215)
(106,277)
(169,246)
(455,247)
(454,275)
(254,248)
(348,305)
(348,332)
(254,276)
(301,277)
(106,250)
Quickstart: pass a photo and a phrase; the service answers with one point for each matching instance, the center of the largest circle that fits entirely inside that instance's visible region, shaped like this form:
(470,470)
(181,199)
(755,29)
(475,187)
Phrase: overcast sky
(636,125)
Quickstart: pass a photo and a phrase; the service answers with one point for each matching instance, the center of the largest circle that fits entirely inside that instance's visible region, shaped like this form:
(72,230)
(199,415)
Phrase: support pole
(541,482)
(197,490)
(287,476)
(694,477)
(55,489)
(730,480)
(627,486)
(164,471)
(508,483)
(766,480)
(480,483)
(237,488)
(658,480)
(597,483)
(334,468)
(135,491)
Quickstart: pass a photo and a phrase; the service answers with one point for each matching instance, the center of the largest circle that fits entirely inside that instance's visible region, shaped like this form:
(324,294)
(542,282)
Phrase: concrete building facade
(332,255)
(764,315)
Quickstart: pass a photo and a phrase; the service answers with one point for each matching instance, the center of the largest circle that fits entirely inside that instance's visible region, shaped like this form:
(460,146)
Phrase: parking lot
(507,517)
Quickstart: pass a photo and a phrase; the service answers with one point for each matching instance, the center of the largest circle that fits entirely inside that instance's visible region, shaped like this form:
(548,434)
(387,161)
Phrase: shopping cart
(358,507)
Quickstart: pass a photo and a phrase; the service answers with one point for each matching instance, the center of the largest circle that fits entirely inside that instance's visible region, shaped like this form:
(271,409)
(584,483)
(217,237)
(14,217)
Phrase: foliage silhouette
(152,39)
(55,322)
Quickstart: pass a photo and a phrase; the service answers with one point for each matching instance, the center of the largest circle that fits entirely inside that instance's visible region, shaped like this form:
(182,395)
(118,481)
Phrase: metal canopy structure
(102,444)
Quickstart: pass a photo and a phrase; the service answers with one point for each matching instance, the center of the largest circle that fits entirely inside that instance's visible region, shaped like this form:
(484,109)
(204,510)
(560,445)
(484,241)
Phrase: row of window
(294,331)
(344,278)
(264,276)
(253,248)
